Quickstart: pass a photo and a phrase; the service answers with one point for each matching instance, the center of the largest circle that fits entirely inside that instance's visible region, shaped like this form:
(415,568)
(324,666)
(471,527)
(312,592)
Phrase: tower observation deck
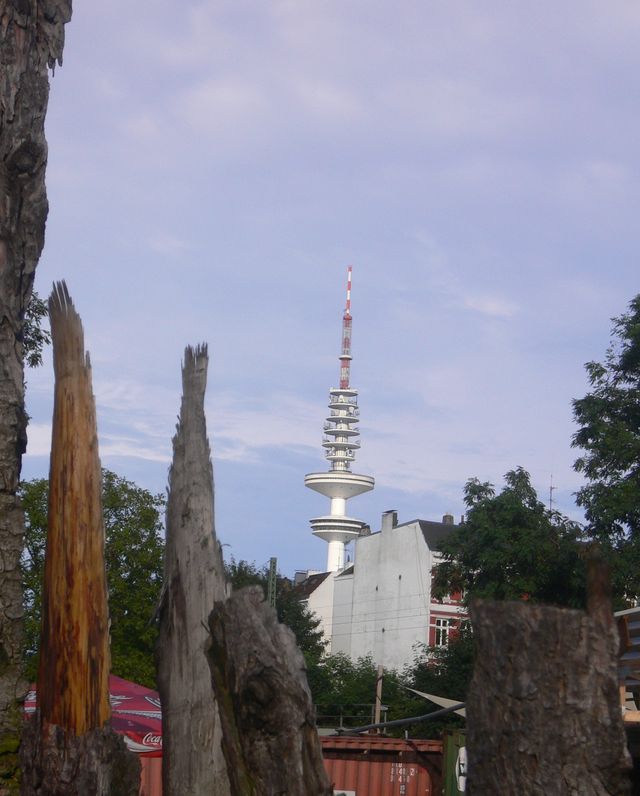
(340,442)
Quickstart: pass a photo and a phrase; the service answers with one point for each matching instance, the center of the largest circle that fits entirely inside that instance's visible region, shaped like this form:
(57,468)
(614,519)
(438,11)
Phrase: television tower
(340,443)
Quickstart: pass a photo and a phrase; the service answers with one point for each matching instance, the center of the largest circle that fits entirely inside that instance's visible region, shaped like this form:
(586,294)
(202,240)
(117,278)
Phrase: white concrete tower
(340,443)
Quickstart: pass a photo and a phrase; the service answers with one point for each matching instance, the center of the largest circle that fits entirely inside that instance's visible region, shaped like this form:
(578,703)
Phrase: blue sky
(215,166)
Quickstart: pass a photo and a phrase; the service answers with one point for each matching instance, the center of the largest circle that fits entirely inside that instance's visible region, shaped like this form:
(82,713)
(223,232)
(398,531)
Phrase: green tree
(608,420)
(35,336)
(511,548)
(442,671)
(290,610)
(344,691)
(134,561)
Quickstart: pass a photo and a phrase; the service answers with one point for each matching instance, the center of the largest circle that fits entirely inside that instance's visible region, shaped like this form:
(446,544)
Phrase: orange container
(370,765)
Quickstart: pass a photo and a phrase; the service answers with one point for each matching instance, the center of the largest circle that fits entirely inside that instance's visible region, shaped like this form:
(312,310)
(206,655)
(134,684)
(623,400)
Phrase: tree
(290,610)
(133,552)
(442,671)
(608,418)
(512,548)
(344,691)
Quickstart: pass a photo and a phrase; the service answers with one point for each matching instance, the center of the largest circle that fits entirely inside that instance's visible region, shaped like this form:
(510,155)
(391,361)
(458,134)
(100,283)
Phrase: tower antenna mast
(345,356)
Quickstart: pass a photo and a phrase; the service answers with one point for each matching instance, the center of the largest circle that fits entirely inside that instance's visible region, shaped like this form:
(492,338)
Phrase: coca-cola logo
(152,739)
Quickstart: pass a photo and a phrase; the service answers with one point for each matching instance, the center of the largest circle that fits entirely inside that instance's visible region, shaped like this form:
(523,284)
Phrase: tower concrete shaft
(340,442)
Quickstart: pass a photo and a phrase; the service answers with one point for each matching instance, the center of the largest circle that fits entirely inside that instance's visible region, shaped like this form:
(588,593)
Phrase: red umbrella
(135,713)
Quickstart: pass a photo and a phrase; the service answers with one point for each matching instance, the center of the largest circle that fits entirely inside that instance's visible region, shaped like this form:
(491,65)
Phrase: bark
(62,764)
(193,763)
(69,748)
(543,710)
(31,42)
(270,740)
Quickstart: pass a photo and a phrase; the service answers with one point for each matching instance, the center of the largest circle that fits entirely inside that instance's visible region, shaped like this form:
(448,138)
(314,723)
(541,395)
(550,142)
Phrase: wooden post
(543,710)
(69,747)
(378,707)
(193,763)
(270,740)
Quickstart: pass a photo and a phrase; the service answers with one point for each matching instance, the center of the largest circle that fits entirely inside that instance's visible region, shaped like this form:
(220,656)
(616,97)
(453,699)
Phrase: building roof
(348,570)
(304,589)
(432,532)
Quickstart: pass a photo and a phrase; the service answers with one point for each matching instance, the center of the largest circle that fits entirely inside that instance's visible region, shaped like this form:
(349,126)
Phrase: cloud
(39,439)
(168,245)
(203,38)
(326,100)
(226,107)
(143,126)
(280,421)
(112,445)
(108,87)
(493,306)
(593,182)
(453,108)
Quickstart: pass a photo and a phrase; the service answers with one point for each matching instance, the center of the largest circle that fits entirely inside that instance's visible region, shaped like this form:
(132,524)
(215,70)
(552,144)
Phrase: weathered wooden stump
(543,710)
(68,747)
(31,42)
(270,740)
(193,763)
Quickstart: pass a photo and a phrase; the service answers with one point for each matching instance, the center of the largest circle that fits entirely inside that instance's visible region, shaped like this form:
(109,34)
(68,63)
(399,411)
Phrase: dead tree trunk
(543,711)
(69,747)
(31,41)
(270,740)
(193,763)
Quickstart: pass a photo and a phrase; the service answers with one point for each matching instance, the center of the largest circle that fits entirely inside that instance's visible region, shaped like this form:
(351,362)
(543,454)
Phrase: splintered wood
(193,763)
(73,678)
(253,732)
(69,747)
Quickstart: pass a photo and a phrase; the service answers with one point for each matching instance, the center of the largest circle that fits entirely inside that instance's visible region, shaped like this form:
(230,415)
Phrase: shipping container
(371,765)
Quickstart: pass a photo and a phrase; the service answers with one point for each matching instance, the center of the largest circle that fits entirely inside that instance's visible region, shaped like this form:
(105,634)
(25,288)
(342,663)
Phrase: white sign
(461,769)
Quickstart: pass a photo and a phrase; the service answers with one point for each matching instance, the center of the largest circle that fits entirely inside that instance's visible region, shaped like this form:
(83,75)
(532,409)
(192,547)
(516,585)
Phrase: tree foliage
(35,336)
(511,548)
(608,418)
(134,555)
(344,691)
(290,610)
(442,671)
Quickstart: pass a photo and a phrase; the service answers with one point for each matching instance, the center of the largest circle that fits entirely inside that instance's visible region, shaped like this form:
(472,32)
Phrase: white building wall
(391,595)
(342,611)
(320,603)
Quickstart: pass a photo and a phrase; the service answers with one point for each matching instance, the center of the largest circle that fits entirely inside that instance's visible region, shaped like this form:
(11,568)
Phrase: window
(443,627)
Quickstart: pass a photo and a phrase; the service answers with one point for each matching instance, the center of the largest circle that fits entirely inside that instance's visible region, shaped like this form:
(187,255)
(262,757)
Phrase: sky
(215,166)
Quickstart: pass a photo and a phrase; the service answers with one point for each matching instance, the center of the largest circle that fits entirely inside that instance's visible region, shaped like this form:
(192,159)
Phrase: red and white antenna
(345,356)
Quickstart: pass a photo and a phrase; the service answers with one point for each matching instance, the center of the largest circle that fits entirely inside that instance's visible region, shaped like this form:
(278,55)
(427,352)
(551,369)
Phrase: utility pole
(378,707)
(552,489)
(271,583)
